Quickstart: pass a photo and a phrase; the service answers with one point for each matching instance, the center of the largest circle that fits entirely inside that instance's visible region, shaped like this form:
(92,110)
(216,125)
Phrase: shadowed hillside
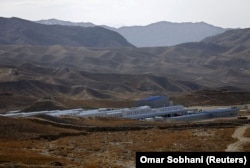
(34,72)
(23,32)
(155,34)
(34,80)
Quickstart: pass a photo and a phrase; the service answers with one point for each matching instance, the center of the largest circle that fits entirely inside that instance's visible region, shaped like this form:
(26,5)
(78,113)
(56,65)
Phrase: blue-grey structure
(216,113)
(174,113)
(151,108)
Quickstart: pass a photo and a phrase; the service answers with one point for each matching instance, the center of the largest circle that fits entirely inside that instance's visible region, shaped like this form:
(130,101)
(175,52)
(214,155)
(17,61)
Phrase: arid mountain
(167,33)
(26,83)
(231,38)
(39,81)
(205,63)
(156,34)
(23,32)
(32,72)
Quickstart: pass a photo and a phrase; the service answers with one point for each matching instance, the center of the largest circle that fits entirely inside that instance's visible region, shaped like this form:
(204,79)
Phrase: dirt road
(239,134)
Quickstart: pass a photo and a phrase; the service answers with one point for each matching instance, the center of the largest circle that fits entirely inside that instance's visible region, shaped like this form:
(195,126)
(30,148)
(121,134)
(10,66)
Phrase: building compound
(152,108)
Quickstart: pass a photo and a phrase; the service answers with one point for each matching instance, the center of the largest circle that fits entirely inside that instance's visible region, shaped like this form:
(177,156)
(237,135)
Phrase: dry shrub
(94,103)
(246,147)
(114,148)
(25,157)
(101,164)
(182,140)
(247,133)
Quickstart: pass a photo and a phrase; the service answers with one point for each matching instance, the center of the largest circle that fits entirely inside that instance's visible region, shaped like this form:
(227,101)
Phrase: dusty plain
(44,141)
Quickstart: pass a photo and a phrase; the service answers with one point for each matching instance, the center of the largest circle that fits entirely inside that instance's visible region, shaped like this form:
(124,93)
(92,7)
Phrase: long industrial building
(133,113)
(174,113)
(215,113)
(149,108)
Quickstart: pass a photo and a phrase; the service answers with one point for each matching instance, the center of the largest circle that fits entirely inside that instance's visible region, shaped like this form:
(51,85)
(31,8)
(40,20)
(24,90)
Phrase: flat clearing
(105,142)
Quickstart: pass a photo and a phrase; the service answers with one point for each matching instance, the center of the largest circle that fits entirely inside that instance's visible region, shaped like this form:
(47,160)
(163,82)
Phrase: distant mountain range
(76,62)
(24,32)
(56,32)
(156,34)
(221,61)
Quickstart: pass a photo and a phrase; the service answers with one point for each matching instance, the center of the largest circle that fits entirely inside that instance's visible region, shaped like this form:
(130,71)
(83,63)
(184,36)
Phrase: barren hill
(231,38)
(206,63)
(39,81)
(167,33)
(24,32)
(32,72)
(156,34)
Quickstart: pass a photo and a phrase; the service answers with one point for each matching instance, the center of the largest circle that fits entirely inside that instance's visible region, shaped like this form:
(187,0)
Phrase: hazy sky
(116,13)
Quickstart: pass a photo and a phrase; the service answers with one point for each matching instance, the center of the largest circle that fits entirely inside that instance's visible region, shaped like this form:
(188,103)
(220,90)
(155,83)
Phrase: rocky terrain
(45,141)
(31,72)
(25,84)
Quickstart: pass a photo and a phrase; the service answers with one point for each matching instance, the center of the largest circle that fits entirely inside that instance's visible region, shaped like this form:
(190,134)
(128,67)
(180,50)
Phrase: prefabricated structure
(151,108)
(223,112)
(132,113)
(154,101)
(148,112)
(216,113)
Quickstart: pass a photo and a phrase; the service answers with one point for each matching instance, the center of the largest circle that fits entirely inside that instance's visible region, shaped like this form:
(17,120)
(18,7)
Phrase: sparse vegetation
(105,147)
(95,103)
(247,133)
(212,97)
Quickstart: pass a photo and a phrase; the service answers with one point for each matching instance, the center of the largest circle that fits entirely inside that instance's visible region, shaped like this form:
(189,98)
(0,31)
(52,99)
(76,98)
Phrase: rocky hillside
(206,63)
(33,72)
(23,32)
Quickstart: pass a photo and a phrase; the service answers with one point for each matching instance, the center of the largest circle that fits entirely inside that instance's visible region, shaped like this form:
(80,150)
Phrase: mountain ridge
(24,32)
(206,62)
(29,72)
(157,34)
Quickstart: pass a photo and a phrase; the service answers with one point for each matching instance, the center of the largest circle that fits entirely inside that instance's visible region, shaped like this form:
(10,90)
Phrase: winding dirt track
(239,134)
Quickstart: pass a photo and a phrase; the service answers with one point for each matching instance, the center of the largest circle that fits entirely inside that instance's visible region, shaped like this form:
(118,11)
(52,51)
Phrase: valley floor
(104,142)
